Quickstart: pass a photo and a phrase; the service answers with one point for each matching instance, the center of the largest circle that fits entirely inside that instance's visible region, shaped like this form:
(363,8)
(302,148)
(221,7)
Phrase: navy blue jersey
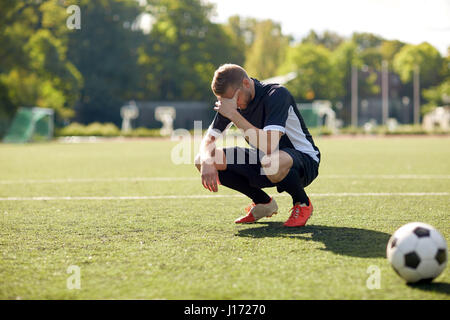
(274,108)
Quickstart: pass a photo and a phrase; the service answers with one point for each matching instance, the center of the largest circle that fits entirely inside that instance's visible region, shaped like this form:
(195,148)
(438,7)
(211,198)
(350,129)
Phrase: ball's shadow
(354,242)
(441,287)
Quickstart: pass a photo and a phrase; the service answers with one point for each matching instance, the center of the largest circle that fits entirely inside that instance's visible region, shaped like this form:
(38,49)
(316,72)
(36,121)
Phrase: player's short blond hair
(227,75)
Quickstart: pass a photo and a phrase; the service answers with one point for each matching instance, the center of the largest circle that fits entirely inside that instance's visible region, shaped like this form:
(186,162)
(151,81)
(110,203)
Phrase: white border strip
(143,179)
(199,196)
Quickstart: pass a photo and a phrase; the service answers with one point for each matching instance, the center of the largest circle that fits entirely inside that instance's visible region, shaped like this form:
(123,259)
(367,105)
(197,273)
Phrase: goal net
(31,124)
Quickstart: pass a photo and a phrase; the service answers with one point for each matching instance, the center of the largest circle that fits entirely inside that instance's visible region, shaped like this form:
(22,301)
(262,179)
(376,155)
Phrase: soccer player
(282,153)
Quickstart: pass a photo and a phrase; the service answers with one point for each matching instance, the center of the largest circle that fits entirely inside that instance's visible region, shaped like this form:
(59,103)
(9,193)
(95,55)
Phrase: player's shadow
(353,242)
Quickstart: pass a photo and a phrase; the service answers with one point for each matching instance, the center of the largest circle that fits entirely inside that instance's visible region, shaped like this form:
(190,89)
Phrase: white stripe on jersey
(296,135)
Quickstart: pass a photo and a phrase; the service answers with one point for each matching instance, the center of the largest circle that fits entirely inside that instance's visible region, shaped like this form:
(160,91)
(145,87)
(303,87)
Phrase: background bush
(103,130)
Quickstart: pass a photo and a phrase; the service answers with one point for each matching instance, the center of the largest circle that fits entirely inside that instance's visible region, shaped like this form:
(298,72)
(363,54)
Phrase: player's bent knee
(220,160)
(276,165)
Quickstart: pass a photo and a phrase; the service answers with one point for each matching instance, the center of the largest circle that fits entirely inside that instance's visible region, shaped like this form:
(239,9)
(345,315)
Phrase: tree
(365,40)
(424,56)
(371,57)
(436,96)
(267,51)
(343,59)
(243,30)
(105,51)
(182,51)
(389,48)
(328,39)
(48,80)
(316,74)
(35,70)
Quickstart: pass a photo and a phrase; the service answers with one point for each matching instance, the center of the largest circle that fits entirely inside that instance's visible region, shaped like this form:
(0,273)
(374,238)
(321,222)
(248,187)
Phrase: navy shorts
(246,162)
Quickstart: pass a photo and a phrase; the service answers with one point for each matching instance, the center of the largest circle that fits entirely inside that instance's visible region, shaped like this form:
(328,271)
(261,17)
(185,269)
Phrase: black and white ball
(417,252)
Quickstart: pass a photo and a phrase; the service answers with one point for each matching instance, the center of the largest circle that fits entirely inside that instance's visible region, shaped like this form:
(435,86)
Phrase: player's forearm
(207,149)
(265,141)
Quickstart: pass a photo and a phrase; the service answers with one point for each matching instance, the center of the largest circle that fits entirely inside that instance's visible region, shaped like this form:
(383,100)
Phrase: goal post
(31,124)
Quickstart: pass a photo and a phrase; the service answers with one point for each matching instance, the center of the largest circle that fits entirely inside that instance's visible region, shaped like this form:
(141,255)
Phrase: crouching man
(282,152)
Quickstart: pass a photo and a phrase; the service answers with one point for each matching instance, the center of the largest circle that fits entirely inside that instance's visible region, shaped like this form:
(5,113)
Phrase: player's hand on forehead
(231,97)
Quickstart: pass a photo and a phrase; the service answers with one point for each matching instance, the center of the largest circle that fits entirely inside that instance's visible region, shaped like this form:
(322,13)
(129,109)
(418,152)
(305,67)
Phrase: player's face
(244,97)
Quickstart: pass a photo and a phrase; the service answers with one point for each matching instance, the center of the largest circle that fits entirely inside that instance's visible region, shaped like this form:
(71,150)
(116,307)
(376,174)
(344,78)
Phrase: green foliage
(404,129)
(328,39)
(372,57)
(243,29)
(104,130)
(389,48)
(436,96)
(343,58)
(363,52)
(351,130)
(365,40)
(143,132)
(35,69)
(320,131)
(366,52)
(105,51)
(88,74)
(182,51)
(316,73)
(93,129)
(424,56)
(267,51)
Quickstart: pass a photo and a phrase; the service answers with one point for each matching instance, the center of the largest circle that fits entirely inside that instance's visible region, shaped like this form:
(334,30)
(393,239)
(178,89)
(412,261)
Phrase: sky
(410,21)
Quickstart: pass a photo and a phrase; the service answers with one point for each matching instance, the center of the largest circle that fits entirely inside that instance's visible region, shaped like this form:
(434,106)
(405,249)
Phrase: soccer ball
(417,252)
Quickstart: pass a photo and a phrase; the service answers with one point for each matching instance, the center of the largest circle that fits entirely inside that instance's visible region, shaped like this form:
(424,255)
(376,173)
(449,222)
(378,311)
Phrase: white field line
(385,176)
(149,179)
(82,180)
(199,196)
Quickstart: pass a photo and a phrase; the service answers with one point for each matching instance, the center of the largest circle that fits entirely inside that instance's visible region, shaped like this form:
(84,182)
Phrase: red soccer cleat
(249,218)
(299,215)
(258,211)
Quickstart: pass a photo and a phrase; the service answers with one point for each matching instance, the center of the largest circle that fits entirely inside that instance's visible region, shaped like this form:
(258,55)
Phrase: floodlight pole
(416,94)
(385,91)
(51,125)
(354,105)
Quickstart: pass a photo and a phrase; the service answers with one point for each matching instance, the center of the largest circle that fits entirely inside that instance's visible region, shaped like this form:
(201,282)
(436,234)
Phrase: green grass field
(180,242)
